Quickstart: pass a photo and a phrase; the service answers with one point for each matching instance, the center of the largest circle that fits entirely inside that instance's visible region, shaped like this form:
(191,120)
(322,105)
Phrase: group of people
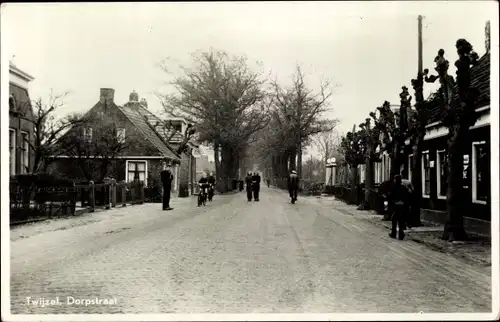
(252,182)
(207,184)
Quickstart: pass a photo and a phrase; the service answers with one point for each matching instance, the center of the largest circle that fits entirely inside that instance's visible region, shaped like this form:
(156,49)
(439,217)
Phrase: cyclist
(293,185)
(203,183)
(211,186)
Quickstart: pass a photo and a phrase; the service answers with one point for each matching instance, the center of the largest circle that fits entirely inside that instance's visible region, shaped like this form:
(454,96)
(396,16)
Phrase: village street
(237,257)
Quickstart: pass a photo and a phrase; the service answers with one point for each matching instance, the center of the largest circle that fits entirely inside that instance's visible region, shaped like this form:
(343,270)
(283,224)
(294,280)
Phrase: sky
(368,49)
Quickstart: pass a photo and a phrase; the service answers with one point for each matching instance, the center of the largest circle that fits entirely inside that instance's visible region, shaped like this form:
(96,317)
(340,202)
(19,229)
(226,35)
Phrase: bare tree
(328,144)
(295,117)
(95,145)
(48,129)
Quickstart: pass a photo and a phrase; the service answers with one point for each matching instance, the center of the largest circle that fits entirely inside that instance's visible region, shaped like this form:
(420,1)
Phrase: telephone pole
(420,64)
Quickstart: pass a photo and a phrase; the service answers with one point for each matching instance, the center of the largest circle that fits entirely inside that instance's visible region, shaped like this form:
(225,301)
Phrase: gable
(137,119)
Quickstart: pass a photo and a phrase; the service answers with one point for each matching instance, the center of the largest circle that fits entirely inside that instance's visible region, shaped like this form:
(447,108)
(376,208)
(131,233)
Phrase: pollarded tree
(394,129)
(352,150)
(458,104)
(370,140)
(225,101)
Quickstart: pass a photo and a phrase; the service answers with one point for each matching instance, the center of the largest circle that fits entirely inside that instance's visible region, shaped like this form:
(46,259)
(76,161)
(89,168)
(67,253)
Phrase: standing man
(293,185)
(248,181)
(398,198)
(166,179)
(256,185)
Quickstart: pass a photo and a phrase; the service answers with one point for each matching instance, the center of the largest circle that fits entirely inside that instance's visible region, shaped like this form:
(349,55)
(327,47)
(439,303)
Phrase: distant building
(204,164)
(21,125)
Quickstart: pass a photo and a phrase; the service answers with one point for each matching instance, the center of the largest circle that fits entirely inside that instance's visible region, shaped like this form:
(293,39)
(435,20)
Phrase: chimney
(133,97)
(487,41)
(107,95)
(144,102)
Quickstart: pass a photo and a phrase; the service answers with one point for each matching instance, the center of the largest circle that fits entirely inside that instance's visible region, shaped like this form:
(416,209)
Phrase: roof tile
(480,80)
(134,114)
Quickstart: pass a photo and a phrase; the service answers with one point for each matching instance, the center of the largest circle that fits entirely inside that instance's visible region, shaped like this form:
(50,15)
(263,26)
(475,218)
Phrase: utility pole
(420,64)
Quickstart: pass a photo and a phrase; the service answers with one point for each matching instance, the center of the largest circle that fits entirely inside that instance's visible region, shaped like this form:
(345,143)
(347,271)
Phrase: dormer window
(120,135)
(12,103)
(87,134)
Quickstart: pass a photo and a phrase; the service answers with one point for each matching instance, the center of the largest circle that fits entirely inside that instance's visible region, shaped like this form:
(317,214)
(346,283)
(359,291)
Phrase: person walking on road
(248,182)
(166,179)
(256,185)
(398,198)
(293,185)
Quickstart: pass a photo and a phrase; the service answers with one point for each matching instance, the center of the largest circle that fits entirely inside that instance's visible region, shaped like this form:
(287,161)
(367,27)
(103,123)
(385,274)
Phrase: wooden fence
(30,201)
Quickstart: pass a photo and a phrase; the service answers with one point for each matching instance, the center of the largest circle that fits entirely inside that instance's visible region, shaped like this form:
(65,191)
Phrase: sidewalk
(476,250)
(86,218)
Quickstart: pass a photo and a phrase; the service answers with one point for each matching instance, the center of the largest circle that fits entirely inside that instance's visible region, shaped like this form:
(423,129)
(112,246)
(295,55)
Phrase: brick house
(141,159)
(20,122)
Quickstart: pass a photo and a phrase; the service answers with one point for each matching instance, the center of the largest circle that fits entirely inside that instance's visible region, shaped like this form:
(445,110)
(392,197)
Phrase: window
(12,151)
(87,134)
(426,174)
(442,173)
(120,135)
(12,103)
(25,148)
(480,172)
(466,172)
(378,172)
(410,165)
(136,170)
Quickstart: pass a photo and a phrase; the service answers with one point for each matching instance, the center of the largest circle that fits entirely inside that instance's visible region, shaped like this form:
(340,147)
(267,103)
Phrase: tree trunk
(216,160)
(395,161)
(454,227)
(299,160)
(416,180)
(229,166)
(293,160)
(369,181)
(353,183)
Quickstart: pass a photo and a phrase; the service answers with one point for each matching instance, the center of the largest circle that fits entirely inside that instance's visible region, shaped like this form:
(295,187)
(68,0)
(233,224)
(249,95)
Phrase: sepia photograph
(283,160)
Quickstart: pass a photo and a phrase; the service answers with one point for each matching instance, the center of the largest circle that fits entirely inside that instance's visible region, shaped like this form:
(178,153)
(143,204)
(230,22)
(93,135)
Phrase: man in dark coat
(248,182)
(398,198)
(211,182)
(256,185)
(293,185)
(166,179)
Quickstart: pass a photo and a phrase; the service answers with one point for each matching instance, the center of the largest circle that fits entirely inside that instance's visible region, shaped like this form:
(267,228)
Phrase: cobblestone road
(237,257)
